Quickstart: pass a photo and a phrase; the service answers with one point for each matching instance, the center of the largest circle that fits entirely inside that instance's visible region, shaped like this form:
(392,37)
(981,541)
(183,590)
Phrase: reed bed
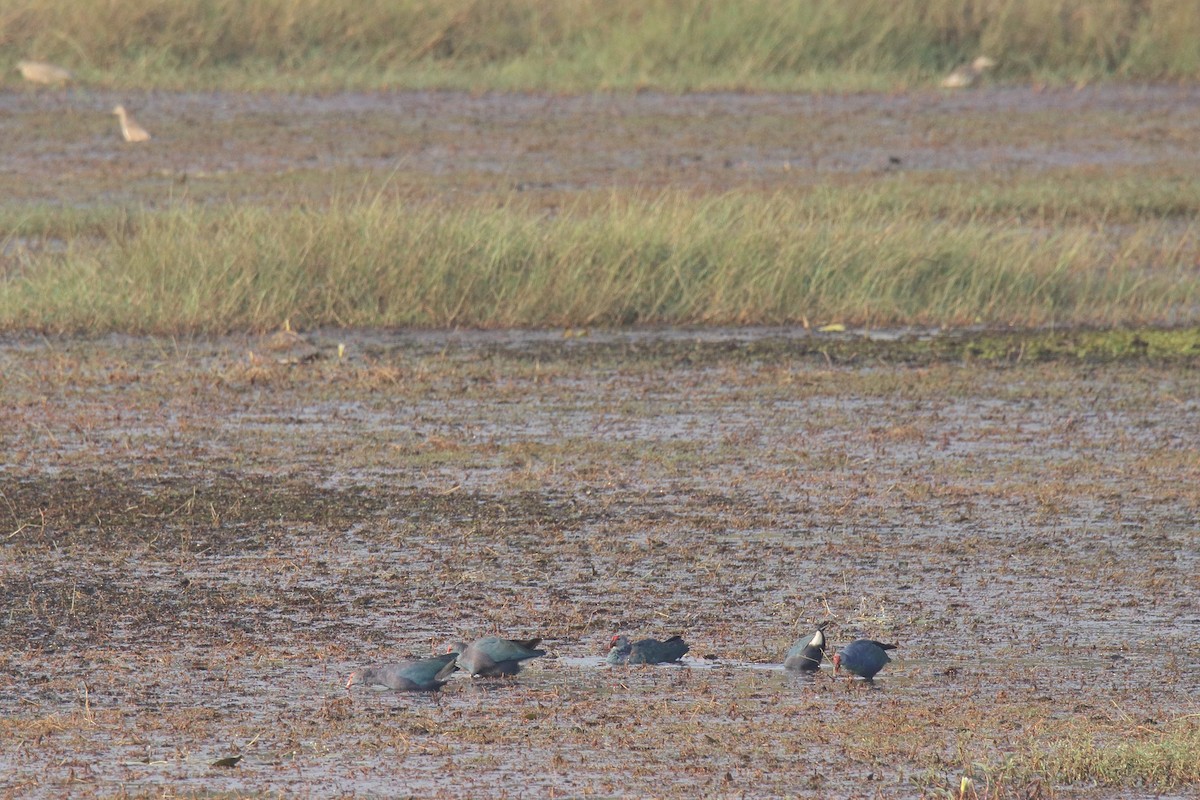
(590,44)
(858,258)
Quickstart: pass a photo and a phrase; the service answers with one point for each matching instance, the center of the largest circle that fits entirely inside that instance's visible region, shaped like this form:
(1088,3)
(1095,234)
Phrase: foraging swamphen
(645,651)
(862,657)
(491,656)
(806,655)
(408,676)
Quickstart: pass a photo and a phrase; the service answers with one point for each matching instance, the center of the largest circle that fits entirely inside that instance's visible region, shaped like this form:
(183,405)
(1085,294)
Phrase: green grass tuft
(1161,759)
(589,44)
(860,257)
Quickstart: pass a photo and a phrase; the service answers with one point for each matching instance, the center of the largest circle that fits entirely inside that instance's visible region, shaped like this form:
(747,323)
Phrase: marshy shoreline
(330,373)
(996,207)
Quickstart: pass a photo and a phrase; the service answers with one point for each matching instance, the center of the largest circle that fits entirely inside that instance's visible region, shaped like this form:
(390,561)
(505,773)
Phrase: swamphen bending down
(408,676)
(806,655)
(645,651)
(491,657)
(862,657)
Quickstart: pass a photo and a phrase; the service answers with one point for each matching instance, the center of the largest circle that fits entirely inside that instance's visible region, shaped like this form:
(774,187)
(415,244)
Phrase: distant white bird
(967,75)
(129,126)
(41,72)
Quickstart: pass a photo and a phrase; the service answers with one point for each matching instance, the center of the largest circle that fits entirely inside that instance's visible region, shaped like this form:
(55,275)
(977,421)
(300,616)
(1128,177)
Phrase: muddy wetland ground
(200,546)
(64,148)
(201,536)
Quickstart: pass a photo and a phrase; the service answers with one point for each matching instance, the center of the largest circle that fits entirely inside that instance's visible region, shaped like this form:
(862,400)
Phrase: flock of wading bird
(50,75)
(493,657)
(40,72)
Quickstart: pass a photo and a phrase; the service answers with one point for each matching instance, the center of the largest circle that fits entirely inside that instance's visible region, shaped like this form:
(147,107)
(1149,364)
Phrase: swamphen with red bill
(862,657)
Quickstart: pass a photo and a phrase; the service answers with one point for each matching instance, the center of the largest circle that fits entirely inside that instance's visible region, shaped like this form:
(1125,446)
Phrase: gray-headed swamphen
(408,676)
(645,651)
(806,655)
(862,657)
(491,656)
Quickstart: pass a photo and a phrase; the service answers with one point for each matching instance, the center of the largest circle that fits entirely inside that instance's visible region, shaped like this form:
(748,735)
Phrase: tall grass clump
(670,259)
(1160,760)
(588,44)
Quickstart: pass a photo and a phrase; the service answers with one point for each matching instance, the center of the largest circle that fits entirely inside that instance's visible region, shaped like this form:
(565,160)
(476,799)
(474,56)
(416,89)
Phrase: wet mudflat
(199,542)
(62,147)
